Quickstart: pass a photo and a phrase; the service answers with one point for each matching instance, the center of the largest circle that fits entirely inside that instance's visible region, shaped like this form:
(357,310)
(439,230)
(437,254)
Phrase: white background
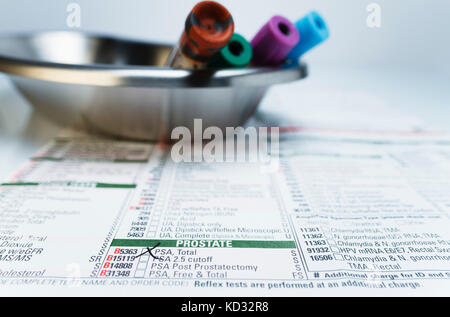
(414,33)
(404,64)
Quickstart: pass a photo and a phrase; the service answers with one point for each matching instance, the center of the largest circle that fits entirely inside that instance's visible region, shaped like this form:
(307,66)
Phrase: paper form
(311,106)
(343,215)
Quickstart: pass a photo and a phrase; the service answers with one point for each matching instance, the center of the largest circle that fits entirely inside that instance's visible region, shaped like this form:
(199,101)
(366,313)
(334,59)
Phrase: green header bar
(130,161)
(61,159)
(19,184)
(255,244)
(105,185)
(73,184)
(46,158)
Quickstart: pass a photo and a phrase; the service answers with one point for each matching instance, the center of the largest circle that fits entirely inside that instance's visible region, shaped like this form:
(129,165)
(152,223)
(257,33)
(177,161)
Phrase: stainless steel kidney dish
(122,88)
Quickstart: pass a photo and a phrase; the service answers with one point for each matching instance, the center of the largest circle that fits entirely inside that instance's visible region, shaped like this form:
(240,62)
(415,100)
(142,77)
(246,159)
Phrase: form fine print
(224,156)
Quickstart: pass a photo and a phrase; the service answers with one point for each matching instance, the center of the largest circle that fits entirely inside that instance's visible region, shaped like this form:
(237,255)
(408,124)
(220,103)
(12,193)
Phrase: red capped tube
(208,28)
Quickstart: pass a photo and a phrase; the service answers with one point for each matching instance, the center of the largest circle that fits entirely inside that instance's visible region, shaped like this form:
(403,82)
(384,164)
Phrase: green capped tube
(236,54)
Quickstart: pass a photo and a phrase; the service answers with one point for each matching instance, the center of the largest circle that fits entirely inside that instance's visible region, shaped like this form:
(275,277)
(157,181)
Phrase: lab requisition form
(343,214)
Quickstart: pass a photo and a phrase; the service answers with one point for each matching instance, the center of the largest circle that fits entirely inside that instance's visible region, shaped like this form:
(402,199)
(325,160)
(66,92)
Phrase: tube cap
(208,28)
(313,31)
(237,53)
(274,41)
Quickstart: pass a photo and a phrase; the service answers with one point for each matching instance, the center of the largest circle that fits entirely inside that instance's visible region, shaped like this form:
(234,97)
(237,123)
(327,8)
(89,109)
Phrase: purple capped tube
(274,41)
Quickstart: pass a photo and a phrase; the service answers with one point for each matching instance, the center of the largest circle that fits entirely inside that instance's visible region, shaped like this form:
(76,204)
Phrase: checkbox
(141,266)
(334,249)
(332,243)
(338,257)
(328,236)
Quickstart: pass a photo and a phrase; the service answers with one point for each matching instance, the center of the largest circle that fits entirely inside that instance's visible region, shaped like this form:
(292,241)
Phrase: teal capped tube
(237,53)
(313,31)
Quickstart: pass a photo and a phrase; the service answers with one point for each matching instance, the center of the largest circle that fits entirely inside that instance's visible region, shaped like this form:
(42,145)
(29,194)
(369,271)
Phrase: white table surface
(425,95)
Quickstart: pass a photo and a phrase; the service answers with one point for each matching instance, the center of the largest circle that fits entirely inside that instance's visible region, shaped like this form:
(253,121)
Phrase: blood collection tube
(208,28)
(274,41)
(236,54)
(313,31)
